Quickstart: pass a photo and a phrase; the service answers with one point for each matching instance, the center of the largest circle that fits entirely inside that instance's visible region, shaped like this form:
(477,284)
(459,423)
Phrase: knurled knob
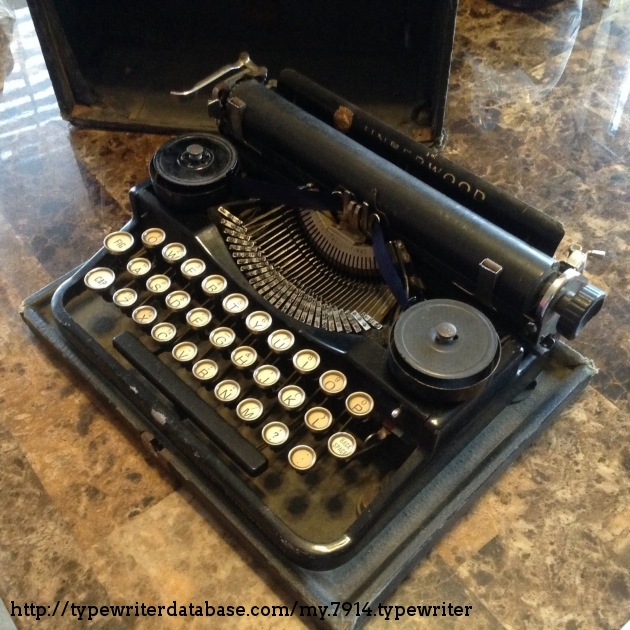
(577,309)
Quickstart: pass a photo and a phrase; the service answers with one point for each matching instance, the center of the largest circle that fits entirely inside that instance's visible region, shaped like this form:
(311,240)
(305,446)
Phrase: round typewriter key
(173,252)
(177,300)
(318,419)
(193,268)
(342,445)
(266,376)
(249,410)
(139,267)
(227,391)
(332,382)
(305,361)
(144,315)
(275,433)
(258,322)
(164,332)
(99,279)
(280,340)
(125,298)
(302,457)
(359,404)
(118,242)
(153,237)
(222,337)
(205,370)
(198,318)
(243,357)
(159,284)
(235,303)
(213,285)
(291,397)
(184,352)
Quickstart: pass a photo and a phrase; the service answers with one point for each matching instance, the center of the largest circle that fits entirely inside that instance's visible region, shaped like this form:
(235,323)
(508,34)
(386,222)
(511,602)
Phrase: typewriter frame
(514,376)
(375,571)
(419,502)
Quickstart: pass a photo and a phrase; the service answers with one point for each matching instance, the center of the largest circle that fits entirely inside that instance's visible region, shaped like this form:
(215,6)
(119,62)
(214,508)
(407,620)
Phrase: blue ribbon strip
(314,200)
(386,266)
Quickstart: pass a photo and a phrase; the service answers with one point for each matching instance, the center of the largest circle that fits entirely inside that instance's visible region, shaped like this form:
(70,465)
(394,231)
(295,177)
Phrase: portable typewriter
(311,326)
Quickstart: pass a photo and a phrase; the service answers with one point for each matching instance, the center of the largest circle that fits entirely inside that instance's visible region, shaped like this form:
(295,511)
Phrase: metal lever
(243,61)
(578,257)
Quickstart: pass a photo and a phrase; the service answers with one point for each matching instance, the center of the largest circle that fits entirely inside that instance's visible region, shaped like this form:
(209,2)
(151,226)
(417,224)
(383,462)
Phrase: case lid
(113,64)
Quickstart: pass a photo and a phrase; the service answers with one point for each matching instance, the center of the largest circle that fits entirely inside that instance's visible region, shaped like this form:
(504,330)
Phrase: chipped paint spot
(343,118)
(159,416)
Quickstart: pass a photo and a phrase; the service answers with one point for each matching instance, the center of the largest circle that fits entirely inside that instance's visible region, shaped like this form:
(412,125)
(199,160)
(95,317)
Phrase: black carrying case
(112,64)
(372,575)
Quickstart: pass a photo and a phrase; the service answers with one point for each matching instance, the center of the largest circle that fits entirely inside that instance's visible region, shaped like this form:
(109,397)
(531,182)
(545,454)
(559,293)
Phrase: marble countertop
(538,105)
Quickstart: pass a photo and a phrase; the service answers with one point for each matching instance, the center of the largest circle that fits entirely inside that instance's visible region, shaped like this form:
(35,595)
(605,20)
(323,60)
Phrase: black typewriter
(313,328)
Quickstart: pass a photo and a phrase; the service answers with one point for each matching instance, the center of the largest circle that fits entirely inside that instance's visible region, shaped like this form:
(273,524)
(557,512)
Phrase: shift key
(224,435)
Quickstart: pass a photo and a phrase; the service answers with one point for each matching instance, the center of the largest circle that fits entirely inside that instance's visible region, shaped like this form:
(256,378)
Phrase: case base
(372,575)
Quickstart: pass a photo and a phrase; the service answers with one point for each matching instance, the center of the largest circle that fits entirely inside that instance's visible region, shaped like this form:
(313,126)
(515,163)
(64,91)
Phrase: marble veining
(538,105)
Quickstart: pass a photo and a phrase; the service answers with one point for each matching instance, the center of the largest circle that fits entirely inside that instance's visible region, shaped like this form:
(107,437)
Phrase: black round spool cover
(222,161)
(465,359)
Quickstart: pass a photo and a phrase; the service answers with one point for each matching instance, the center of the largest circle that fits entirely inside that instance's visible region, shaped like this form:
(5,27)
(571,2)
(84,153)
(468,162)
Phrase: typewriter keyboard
(298,435)
(298,425)
(194,321)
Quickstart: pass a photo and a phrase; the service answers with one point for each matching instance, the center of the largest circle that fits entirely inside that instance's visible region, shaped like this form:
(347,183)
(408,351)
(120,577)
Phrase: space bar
(225,436)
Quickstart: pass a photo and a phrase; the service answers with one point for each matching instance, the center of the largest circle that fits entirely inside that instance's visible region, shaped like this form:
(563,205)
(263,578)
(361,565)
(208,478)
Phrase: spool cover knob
(444,349)
(191,171)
